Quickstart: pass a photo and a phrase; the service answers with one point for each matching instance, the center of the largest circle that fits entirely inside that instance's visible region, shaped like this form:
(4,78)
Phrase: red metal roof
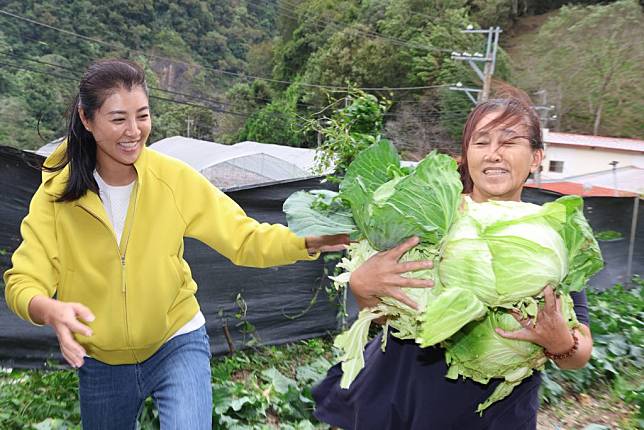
(615,143)
(566,188)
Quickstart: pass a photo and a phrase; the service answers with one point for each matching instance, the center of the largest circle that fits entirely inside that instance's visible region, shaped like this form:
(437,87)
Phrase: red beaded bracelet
(568,353)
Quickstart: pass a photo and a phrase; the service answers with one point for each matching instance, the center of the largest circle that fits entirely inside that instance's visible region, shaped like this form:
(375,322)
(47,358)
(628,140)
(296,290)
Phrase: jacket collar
(54,183)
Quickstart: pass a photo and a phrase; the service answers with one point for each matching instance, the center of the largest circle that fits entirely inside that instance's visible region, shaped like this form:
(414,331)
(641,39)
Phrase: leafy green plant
(349,130)
(252,389)
(269,386)
(278,122)
(616,322)
(29,399)
(608,235)
(245,327)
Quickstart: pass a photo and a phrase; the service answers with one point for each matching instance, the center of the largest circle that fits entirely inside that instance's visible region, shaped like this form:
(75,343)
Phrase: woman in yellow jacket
(104,236)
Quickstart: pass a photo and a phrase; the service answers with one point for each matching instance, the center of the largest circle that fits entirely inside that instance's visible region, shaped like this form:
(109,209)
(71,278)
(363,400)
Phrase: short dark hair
(100,80)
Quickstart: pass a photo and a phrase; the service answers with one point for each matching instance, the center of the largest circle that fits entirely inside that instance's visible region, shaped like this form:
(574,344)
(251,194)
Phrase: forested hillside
(260,69)
(587,63)
(189,47)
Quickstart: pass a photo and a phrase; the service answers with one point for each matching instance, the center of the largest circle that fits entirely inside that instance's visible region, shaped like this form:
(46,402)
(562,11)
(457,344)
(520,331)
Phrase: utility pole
(631,243)
(189,123)
(543,109)
(489,60)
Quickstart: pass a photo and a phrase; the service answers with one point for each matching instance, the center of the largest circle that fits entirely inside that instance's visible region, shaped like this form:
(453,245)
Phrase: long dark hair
(101,79)
(514,107)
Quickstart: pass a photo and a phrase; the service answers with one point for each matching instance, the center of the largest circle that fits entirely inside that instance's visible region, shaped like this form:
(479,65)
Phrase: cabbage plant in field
(488,258)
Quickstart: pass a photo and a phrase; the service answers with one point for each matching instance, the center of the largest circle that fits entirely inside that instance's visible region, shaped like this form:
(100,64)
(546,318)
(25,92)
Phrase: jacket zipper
(135,190)
(123,276)
(122,258)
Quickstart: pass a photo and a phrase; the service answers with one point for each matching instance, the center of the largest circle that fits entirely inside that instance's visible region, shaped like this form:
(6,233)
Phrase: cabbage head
(386,202)
(478,352)
(504,253)
(489,258)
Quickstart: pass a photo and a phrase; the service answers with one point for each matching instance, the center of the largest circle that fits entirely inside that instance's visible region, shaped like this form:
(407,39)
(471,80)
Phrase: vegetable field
(269,388)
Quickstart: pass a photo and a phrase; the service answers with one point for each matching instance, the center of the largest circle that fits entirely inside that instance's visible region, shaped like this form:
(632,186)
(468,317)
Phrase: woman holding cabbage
(405,386)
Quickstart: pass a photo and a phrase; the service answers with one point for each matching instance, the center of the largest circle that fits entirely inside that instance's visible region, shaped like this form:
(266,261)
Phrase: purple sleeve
(581,306)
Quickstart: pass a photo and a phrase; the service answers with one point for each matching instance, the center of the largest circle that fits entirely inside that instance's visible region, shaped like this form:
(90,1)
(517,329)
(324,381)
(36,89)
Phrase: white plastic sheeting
(242,164)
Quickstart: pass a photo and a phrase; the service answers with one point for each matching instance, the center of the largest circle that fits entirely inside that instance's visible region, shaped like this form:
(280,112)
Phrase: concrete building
(570,154)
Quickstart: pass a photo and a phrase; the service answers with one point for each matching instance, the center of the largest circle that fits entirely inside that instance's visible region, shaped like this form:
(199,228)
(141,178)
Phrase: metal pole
(497,31)
(631,245)
(614,164)
(487,70)
(490,63)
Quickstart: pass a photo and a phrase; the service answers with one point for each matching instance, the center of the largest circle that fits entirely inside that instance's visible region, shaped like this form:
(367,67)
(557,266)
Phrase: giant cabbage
(488,258)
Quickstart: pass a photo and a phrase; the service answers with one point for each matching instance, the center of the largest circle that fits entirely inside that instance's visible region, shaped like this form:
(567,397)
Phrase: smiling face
(500,158)
(120,127)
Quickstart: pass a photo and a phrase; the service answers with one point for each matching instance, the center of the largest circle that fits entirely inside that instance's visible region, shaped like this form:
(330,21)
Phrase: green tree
(192,33)
(18,127)
(590,61)
(504,13)
(178,120)
(349,130)
(385,44)
(277,123)
(242,100)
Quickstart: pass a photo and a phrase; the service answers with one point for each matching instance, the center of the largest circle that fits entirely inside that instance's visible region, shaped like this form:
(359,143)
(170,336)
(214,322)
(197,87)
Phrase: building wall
(583,160)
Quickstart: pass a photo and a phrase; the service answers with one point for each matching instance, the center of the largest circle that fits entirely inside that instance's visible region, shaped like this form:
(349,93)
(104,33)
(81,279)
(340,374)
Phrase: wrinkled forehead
(500,121)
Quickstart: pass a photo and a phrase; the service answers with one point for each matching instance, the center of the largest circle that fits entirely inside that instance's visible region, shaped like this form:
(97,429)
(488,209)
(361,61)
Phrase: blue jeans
(177,377)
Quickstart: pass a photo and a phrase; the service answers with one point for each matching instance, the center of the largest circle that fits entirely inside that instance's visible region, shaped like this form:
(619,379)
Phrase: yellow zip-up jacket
(141,290)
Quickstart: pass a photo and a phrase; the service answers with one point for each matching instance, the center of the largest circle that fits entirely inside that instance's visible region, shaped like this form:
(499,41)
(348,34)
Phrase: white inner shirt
(116,200)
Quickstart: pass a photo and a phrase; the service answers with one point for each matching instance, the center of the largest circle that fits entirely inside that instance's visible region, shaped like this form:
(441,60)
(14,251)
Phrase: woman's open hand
(551,330)
(380,276)
(64,318)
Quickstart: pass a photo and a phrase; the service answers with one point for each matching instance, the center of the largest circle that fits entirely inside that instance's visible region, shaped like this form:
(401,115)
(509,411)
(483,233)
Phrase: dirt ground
(598,408)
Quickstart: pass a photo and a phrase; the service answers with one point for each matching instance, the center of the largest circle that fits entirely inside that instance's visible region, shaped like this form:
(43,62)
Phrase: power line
(214,109)
(445,115)
(224,72)
(434,118)
(29,69)
(74,72)
(201,106)
(339,26)
(113,46)
(151,96)
(13,54)
(220,104)
(215,101)
(191,96)
(195,97)
(426,115)
(423,87)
